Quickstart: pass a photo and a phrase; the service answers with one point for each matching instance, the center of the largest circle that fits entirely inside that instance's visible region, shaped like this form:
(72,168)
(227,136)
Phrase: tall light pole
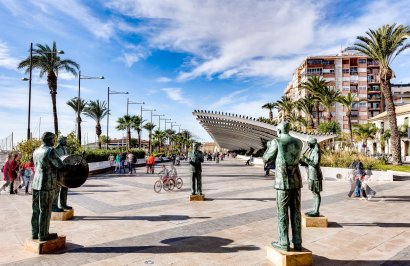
(108,114)
(159,121)
(179,127)
(170,122)
(166,119)
(80,77)
(143,110)
(131,102)
(29,84)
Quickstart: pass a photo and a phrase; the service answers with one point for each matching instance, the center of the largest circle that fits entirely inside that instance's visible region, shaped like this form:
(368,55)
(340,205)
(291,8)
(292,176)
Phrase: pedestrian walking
(130,160)
(5,171)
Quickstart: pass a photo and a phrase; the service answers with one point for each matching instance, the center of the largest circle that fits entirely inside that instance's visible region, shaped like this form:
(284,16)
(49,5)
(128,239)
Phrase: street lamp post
(131,102)
(166,119)
(170,122)
(179,127)
(80,77)
(143,110)
(29,85)
(108,114)
(159,121)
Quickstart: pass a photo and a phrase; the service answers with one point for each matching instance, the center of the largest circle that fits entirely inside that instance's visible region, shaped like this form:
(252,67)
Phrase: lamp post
(131,102)
(80,77)
(159,121)
(179,127)
(170,122)
(108,114)
(166,119)
(144,110)
(29,84)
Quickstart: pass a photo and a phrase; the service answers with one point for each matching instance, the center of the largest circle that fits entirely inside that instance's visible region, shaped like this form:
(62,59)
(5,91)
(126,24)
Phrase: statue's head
(312,142)
(283,128)
(48,138)
(197,145)
(62,140)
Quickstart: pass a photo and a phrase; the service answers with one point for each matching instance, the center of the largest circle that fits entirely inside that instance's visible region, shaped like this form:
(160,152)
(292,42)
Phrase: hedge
(102,155)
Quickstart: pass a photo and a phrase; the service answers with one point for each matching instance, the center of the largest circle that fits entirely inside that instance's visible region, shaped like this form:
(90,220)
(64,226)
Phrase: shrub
(344,159)
(27,147)
(329,127)
(102,155)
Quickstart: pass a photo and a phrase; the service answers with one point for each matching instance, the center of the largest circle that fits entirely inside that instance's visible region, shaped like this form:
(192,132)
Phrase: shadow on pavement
(256,199)
(323,261)
(377,224)
(200,244)
(394,198)
(159,218)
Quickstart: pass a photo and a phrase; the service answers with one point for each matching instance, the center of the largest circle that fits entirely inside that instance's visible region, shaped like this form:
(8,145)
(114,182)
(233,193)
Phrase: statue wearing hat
(60,200)
(196,158)
(311,159)
(285,151)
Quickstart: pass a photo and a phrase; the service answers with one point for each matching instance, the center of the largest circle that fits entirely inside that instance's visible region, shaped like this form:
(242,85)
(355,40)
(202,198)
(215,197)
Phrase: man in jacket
(285,151)
(311,159)
(196,158)
(60,200)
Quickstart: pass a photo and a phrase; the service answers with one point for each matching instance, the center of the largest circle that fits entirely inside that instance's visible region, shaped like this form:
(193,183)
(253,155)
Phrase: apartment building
(346,72)
(401,93)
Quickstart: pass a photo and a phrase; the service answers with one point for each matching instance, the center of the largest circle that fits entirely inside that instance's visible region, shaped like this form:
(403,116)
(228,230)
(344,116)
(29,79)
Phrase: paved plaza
(120,220)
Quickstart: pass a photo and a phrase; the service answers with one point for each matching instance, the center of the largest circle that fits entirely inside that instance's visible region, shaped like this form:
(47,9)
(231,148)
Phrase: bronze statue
(45,184)
(285,151)
(196,158)
(60,200)
(311,159)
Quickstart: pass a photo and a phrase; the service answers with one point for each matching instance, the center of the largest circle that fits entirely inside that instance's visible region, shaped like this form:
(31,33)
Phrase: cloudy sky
(176,55)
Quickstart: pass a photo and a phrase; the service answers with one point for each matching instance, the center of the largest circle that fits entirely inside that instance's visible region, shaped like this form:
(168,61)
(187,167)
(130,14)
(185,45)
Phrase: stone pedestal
(197,197)
(289,258)
(62,216)
(45,247)
(320,221)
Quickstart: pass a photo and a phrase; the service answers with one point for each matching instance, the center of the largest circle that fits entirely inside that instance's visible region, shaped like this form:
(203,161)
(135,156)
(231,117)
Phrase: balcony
(372,63)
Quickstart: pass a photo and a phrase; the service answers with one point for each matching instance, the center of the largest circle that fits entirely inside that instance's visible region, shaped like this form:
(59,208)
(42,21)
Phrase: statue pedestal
(289,258)
(45,247)
(62,216)
(320,221)
(197,197)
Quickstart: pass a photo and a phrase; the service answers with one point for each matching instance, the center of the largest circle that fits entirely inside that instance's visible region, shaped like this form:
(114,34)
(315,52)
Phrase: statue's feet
(49,237)
(56,209)
(200,193)
(279,246)
(297,247)
(66,207)
(34,236)
(312,214)
(193,194)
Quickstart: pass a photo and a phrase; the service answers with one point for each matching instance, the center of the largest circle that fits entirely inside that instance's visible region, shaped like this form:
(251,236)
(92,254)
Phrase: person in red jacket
(150,164)
(13,172)
(6,173)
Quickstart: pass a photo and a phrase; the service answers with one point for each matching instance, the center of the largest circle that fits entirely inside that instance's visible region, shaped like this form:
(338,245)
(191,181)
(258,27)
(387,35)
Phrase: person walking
(13,173)
(6,175)
(130,160)
(117,163)
(111,159)
(28,170)
(150,164)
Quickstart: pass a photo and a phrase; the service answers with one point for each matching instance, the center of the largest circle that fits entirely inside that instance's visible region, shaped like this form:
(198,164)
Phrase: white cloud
(133,54)
(175,94)
(233,97)
(6,60)
(163,79)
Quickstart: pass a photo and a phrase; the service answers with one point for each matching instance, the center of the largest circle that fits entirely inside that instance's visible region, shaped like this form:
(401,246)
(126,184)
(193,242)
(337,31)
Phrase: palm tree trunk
(129,137)
(317,114)
(329,115)
(349,125)
(98,133)
(270,114)
(149,142)
(79,130)
(52,85)
(391,114)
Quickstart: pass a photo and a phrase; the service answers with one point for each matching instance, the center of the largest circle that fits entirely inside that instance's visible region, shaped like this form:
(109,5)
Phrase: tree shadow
(255,199)
(394,198)
(377,224)
(160,218)
(197,244)
(319,260)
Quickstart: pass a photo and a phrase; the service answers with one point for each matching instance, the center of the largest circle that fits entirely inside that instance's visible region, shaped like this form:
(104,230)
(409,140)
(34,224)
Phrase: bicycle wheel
(179,183)
(158,186)
(170,185)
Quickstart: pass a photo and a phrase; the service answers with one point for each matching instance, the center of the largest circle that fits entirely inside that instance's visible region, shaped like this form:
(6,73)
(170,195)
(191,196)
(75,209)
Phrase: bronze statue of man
(45,184)
(285,151)
(311,158)
(60,200)
(196,158)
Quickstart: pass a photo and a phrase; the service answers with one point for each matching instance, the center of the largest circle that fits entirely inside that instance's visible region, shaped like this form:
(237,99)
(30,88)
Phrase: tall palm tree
(160,137)
(328,97)
(347,101)
(170,133)
(187,139)
(306,105)
(137,126)
(49,63)
(125,123)
(383,45)
(364,132)
(77,106)
(269,106)
(313,85)
(286,105)
(384,138)
(97,111)
(149,126)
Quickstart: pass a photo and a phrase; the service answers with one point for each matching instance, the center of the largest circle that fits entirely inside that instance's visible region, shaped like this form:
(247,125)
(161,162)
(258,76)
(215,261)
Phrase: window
(314,71)
(314,61)
(362,61)
(362,88)
(346,88)
(328,62)
(345,70)
(332,71)
(362,104)
(382,127)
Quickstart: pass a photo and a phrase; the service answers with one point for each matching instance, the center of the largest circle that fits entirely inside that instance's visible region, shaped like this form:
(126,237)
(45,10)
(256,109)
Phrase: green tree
(137,126)
(27,147)
(383,45)
(306,105)
(286,105)
(97,111)
(329,127)
(104,139)
(364,132)
(269,106)
(384,138)
(73,103)
(149,127)
(313,85)
(328,97)
(159,136)
(49,63)
(347,101)
(126,123)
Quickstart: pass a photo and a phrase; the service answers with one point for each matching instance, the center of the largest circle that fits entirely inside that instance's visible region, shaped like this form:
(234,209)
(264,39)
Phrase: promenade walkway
(120,220)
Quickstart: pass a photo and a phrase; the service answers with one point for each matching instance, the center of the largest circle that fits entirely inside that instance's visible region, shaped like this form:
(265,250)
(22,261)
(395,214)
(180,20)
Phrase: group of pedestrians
(216,156)
(17,175)
(360,180)
(122,162)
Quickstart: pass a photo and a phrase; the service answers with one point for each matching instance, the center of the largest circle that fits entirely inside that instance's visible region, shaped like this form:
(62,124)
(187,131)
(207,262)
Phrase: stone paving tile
(126,223)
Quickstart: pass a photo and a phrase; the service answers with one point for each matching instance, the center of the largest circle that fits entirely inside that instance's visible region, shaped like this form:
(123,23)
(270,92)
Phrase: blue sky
(176,55)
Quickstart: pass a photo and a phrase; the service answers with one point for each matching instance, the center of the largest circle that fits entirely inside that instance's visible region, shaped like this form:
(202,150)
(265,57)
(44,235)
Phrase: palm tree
(170,133)
(97,111)
(269,106)
(137,126)
(160,137)
(313,85)
(149,126)
(383,45)
(306,105)
(348,101)
(384,138)
(125,123)
(187,139)
(286,105)
(365,132)
(77,106)
(328,97)
(49,63)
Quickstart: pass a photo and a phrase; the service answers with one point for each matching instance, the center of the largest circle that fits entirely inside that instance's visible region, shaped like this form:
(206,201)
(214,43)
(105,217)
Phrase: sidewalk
(120,220)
